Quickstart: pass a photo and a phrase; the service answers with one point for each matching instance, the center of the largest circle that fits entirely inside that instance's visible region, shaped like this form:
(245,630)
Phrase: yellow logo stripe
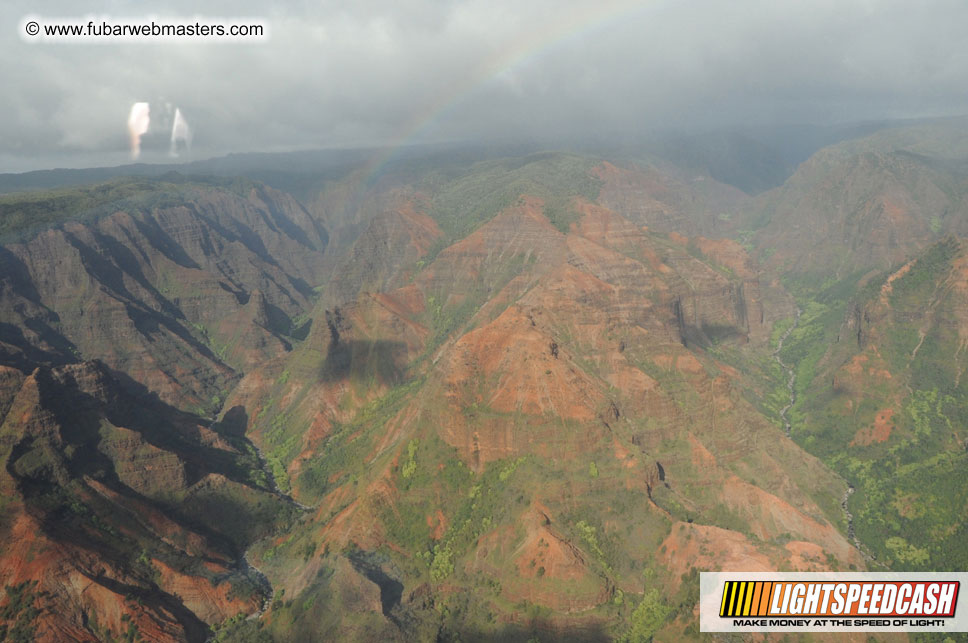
(722,608)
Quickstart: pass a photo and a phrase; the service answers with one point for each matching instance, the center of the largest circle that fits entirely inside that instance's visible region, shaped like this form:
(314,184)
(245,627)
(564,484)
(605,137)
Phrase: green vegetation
(561,216)
(410,466)
(648,618)
(589,536)
(463,203)
(453,524)
(442,564)
(27,211)
(911,494)
(446,319)
(911,481)
(444,322)
(484,502)
(342,454)
(24,213)
(926,271)
(17,616)
(240,630)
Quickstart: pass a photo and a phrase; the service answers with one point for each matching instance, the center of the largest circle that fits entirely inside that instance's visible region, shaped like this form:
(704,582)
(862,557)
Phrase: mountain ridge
(546,382)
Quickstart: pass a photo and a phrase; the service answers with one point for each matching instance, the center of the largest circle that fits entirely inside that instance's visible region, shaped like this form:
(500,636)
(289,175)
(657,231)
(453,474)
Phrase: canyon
(475,399)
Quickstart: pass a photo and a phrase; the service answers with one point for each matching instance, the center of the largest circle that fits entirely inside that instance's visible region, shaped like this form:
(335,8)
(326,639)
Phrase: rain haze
(379,73)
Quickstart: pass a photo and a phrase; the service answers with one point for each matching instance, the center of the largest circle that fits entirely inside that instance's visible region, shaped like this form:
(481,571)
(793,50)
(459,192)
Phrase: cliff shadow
(234,422)
(362,359)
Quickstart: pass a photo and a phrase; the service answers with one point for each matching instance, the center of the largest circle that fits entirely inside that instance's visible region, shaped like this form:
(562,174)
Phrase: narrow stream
(263,581)
(791,381)
(791,375)
(273,485)
(851,536)
(248,567)
(245,566)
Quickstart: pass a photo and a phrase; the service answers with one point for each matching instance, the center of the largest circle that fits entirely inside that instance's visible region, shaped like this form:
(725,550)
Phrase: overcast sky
(385,72)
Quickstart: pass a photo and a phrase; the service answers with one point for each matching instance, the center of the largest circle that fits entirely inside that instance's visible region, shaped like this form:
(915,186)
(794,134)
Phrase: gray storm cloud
(339,73)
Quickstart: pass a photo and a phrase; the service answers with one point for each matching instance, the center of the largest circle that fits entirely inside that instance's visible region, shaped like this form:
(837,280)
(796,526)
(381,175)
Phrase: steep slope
(669,199)
(887,408)
(866,204)
(127,310)
(511,409)
(866,234)
(392,241)
(123,516)
(180,285)
(534,420)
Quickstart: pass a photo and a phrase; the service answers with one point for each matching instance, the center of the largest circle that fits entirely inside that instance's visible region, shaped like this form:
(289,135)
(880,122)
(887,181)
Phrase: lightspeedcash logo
(831,602)
(866,598)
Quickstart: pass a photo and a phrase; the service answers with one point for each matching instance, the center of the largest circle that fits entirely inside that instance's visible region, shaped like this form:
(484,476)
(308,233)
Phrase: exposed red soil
(542,550)
(685,362)
(423,230)
(539,566)
(523,375)
(770,517)
(702,459)
(707,547)
(607,228)
(727,252)
(437,524)
(878,432)
(675,237)
(807,557)
(211,603)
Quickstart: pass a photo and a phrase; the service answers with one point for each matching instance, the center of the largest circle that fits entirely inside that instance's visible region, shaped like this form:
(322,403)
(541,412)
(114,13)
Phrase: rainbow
(559,29)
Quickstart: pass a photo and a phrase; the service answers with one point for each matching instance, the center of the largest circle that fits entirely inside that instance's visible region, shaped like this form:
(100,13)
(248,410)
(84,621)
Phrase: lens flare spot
(180,131)
(138,121)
